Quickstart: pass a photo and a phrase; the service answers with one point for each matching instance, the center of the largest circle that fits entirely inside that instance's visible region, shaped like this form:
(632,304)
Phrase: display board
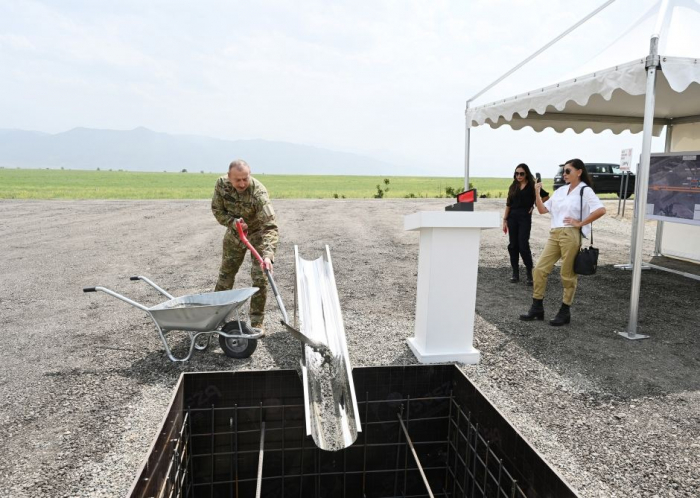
(674,188)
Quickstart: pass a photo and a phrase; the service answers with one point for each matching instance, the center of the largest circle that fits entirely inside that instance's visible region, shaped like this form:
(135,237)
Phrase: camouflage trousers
(233,255)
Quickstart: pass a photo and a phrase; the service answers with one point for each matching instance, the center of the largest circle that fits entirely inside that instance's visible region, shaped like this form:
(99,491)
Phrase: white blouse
(563,204)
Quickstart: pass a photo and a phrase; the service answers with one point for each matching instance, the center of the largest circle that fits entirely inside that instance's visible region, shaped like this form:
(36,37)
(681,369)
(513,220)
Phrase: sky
(385,78)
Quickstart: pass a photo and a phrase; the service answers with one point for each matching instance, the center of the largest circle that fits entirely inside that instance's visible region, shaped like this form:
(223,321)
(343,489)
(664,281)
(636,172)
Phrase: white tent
(648,78)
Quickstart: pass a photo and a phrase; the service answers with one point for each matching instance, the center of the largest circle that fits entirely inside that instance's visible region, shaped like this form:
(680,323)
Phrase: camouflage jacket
(253,205)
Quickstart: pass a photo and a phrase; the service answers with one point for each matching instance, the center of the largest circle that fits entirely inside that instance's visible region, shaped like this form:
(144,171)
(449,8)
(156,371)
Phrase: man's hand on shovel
(242,228)
(266,266)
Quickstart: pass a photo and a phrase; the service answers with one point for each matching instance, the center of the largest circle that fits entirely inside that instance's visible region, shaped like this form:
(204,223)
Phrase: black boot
(536,311)
(563,316)
(516,276)
(529,276)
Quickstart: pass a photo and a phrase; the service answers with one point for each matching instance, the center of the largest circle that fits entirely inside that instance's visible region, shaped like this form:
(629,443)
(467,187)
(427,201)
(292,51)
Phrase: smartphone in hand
(538,177)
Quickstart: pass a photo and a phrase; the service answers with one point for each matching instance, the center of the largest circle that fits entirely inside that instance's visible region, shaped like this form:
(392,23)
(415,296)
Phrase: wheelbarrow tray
(200,312)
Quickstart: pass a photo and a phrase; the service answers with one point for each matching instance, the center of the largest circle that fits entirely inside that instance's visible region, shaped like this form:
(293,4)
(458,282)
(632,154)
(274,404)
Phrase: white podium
(448,263)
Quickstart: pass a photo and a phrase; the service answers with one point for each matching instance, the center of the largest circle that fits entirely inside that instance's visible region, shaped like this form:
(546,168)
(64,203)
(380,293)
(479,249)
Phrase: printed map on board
(674,188)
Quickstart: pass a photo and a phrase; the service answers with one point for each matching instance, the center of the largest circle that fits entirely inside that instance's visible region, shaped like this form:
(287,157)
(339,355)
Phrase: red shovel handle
(321,348)
(244,239)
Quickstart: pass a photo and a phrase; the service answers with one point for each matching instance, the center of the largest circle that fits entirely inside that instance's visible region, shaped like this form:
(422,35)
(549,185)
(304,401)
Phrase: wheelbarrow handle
(118,296)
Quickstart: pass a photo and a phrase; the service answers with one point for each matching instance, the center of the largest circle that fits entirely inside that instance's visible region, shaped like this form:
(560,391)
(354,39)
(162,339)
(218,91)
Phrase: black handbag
(586,262)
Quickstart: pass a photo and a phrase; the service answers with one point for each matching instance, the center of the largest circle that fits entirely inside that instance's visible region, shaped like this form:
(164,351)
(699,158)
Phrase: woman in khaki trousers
(568,223)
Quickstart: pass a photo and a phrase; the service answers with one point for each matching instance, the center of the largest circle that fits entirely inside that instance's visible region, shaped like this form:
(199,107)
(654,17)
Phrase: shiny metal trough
(332,416)
(200,315)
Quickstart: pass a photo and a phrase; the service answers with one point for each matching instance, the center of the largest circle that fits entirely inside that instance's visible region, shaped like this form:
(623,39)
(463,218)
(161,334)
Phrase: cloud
(390,76)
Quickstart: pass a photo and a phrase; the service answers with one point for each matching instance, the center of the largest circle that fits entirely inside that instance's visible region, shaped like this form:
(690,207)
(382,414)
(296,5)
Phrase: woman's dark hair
(578,164)
(516,183)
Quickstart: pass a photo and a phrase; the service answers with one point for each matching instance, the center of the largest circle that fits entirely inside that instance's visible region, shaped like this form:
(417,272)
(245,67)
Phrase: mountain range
(142,149)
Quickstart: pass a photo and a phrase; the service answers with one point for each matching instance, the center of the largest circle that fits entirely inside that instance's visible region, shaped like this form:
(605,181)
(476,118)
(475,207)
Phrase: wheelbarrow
(201,315)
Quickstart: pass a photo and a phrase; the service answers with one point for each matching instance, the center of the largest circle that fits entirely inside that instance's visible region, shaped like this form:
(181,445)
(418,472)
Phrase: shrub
(455,191)
(380,193)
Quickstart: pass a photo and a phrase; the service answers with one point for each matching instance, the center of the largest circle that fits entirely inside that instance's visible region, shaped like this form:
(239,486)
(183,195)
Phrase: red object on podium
(468,196)
(465,201)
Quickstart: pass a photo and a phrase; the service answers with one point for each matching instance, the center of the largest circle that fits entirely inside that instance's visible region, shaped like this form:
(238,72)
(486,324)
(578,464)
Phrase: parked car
(606,178)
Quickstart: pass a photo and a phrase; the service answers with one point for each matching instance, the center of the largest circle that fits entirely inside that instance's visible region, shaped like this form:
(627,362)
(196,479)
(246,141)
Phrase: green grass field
(74,184)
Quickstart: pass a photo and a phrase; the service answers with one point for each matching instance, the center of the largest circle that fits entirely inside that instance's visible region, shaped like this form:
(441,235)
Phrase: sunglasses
(518,173)
(567,171)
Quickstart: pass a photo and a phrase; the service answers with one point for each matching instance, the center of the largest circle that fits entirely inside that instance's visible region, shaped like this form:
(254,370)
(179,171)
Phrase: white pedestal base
(631,337)
(471,357)
(448,262)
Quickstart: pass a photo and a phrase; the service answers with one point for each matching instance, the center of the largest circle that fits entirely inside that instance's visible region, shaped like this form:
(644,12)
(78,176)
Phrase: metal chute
(332,416)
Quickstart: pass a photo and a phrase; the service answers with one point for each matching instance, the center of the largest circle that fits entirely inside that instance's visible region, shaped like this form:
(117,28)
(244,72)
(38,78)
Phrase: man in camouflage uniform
(239,195)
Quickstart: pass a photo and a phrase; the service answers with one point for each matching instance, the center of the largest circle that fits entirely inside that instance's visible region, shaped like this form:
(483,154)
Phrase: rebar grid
(466,460)
(177,477)
(482,471)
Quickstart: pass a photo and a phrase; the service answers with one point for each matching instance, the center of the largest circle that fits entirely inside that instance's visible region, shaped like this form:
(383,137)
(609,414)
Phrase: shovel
(319,347)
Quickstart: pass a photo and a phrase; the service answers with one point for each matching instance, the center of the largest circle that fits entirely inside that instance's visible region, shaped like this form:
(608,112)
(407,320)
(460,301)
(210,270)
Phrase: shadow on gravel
(154,367)
(589,349)
(407,357)
(151,368)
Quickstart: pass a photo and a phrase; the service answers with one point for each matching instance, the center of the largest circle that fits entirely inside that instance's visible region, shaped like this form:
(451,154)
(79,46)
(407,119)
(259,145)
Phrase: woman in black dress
(517,220)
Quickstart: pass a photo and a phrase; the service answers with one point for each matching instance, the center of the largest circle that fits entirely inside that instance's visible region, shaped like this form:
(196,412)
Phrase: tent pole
(635,214)
(652,64)
(669,138)
(660,224)
(633,238)
(466,148)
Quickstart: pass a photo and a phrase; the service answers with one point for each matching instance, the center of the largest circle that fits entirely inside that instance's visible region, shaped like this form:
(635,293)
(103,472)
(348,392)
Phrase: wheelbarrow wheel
(237,347)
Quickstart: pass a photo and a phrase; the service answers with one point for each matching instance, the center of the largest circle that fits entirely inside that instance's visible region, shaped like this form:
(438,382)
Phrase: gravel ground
(85,381)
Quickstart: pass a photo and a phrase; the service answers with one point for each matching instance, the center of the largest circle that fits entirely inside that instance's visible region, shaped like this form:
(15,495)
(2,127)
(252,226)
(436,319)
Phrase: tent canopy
(648,75)
(610,94)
